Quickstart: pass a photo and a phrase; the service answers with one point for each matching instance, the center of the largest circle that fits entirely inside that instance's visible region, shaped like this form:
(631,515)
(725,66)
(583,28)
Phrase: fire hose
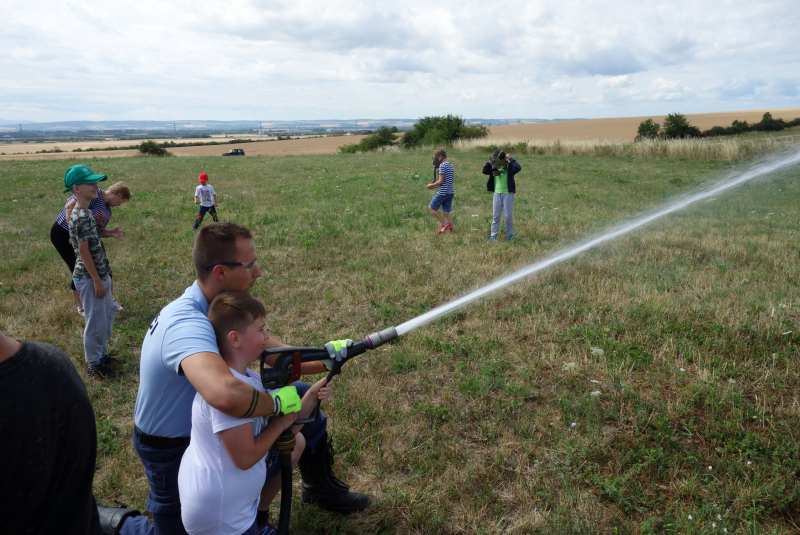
(285,371)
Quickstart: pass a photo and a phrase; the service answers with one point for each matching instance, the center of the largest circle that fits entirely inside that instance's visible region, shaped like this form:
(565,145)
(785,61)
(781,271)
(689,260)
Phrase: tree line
(677,126)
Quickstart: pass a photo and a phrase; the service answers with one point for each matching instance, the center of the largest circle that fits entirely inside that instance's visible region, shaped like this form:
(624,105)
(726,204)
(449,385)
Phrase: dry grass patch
(732,148)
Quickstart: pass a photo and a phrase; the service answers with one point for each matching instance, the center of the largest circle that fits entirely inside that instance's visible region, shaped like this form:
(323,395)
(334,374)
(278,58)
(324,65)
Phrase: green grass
(687,328)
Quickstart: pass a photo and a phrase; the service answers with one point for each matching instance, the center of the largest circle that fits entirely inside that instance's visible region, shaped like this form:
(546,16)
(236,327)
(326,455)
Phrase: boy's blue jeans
(443,201)
(161,468)
(100,316)
(202,213)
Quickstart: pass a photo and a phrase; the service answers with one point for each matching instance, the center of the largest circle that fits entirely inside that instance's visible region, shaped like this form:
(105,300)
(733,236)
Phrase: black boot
(111,518)
(324,489)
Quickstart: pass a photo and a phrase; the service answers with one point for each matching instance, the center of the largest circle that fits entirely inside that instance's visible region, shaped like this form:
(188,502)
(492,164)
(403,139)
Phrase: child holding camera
(501,169)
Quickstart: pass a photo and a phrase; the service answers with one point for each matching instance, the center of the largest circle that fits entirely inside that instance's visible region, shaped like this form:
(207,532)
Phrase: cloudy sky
(292,60)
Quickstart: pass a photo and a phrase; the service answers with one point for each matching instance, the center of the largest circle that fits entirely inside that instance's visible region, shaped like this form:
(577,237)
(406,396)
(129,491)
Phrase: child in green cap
(92,273)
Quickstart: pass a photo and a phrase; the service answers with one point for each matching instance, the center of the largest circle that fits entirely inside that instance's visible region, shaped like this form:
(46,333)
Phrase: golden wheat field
(611,129)
(310,145)
(623,128)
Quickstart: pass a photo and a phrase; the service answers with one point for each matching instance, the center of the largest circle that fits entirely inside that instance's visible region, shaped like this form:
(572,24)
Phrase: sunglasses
(248,267)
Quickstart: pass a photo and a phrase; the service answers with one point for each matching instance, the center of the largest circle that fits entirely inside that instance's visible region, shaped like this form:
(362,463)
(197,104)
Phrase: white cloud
(275,59)
(614,81)
(661,85)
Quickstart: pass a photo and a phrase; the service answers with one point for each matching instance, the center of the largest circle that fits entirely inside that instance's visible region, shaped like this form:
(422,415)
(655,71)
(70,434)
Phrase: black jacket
(513,168)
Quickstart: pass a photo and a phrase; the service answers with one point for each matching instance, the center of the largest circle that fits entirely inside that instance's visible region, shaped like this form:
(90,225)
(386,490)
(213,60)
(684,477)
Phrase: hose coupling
(381,337)
(285,443)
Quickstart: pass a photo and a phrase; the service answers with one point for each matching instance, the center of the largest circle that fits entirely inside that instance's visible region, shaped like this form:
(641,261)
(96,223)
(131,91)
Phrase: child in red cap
(204,195)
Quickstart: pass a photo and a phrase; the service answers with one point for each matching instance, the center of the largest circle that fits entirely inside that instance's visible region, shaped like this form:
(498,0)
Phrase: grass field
(672,350)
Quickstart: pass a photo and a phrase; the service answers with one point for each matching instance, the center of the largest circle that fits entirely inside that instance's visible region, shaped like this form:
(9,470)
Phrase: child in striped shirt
(444,194)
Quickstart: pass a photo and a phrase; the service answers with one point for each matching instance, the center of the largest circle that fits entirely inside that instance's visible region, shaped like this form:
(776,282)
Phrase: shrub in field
(440,130)
(152,148)
(676,125)
(648,129)
(742,126)
(768,124)
(733,130)
(477,131)
(716,131)
(382,137)
(350,148)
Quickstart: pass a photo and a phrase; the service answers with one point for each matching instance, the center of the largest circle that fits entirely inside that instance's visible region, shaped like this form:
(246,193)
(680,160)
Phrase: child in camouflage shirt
(92,274)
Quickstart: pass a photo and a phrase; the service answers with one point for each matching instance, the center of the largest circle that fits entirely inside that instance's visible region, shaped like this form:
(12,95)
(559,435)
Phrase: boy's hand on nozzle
(286,401)
(322,389)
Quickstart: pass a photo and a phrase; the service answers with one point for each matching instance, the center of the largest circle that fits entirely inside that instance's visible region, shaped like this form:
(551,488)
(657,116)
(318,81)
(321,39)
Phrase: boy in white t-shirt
(205,195)
(230,472)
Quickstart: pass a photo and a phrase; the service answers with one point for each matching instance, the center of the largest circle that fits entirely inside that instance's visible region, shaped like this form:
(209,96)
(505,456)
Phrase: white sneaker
(117,306)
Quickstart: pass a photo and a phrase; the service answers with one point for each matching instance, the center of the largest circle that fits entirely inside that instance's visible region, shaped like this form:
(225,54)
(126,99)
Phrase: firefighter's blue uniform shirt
(164,401)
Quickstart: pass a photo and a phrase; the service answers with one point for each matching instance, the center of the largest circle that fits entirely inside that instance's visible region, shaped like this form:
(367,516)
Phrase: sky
(265,60)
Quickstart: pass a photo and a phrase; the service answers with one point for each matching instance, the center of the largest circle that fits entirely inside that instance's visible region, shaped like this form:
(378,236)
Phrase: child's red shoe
(265,528)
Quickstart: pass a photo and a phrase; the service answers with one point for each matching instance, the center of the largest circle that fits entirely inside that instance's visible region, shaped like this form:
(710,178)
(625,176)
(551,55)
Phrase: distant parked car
(234,152)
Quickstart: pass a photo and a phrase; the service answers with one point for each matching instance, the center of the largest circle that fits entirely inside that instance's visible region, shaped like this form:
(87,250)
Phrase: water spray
(286,368)
(733,180)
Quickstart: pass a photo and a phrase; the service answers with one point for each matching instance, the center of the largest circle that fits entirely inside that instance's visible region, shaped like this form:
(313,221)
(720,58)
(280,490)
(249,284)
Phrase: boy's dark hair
(215,244)
(233,311)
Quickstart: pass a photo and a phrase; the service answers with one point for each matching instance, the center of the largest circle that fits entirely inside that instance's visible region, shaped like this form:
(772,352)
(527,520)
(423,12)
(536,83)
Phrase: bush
(716,131)
(648,129)
(350,148)
(477,131)
(768,124)
(676,126)
(383,136)
(152,148)
(742,126)
(440,131)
